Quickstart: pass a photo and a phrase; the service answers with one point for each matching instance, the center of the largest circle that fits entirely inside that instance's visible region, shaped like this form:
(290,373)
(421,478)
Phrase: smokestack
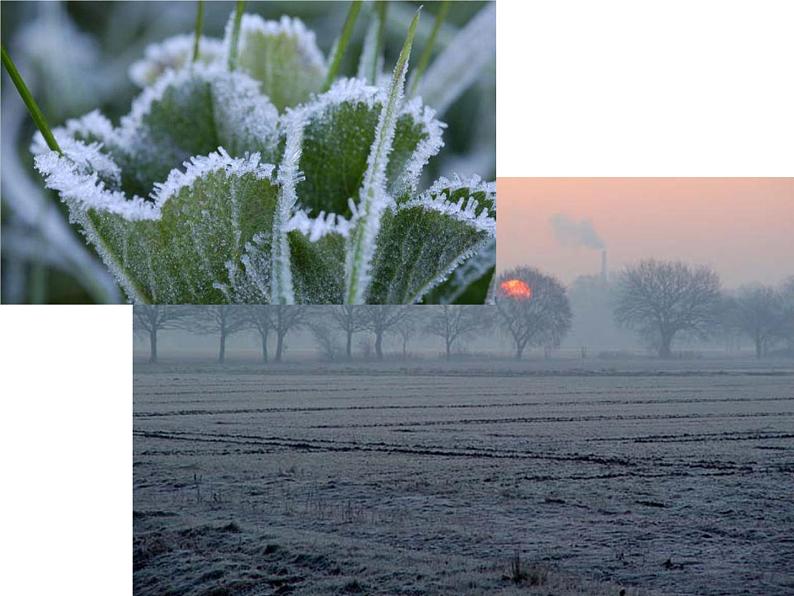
(604,274)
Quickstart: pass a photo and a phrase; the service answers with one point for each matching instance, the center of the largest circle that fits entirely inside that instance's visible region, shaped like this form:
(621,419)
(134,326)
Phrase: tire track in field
(378,446)
(552,419)
(266,444)
(693,471)
(696,437)
(596,402)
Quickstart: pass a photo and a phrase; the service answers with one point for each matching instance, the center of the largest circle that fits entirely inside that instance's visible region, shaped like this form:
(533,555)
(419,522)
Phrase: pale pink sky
(743,227)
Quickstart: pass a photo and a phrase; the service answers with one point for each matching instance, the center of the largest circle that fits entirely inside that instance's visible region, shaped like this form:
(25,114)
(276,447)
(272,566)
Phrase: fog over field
(751,319)
(410,469)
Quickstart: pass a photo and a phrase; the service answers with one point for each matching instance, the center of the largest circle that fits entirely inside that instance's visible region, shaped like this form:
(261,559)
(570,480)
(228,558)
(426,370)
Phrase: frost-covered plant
(296,186)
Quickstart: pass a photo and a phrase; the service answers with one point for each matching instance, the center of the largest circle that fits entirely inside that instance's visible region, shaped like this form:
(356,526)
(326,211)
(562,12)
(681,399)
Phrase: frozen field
(428,478)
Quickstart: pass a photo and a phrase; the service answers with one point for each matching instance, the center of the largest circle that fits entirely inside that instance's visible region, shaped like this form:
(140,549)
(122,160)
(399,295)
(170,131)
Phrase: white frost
(465,209)
(200,166)
(246,112)
(345,91)
(173,54)
(427,147)
(92,124)
(65,174)
(75,175)
(282,290)
(257,263)
(316,227)
(475,183)
(252,24)
(246,105)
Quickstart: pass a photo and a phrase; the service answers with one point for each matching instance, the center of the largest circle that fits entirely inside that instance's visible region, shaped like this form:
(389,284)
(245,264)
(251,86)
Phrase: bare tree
(532,308)
(284,319)
(409,325)
(452,323)
(758,313)
(151,319)
(350,320)
(324,336)
(260,318)
(661,299)
(380,319)
(787,297)
(225,320)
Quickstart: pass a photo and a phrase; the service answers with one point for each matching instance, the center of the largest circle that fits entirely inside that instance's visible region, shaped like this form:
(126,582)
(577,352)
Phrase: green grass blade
(382,7)
(199,28)
(427,53)
(371,61)
(459,64)
(373,189)
(235,41)
(341,44)
(38,283)
(30,103)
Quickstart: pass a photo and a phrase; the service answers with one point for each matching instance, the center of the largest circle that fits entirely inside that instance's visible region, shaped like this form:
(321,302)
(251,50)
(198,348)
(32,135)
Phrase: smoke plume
(575,233)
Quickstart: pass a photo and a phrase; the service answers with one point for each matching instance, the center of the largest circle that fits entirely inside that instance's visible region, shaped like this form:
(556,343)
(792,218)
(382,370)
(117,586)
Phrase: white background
(66,448)
(617,88)
(645,88)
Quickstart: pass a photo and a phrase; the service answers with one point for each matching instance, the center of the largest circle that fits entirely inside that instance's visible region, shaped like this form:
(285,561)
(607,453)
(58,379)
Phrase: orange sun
(515,288)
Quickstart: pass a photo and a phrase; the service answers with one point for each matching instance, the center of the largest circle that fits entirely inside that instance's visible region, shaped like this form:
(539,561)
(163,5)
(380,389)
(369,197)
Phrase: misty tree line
(661,301)
(665,301)
(334,328)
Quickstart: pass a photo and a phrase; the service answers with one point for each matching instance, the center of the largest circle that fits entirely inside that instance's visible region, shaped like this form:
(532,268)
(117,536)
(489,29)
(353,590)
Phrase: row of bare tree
(660,300)
(664,300)
(765,314)
(326,323)
(221,320)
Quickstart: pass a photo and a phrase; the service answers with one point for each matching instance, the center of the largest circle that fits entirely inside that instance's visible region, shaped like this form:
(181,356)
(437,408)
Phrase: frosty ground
(429,478)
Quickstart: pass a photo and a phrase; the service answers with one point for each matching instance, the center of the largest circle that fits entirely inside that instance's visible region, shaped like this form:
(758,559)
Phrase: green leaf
(373,196)
(338,132)
(186,247)
(422,241)
(337,221)
(417,138)
(191,112)
(469,282)
(284,57)
(318,268)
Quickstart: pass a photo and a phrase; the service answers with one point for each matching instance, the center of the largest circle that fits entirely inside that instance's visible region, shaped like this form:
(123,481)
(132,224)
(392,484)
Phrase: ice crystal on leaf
(173,54)
(251,184)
